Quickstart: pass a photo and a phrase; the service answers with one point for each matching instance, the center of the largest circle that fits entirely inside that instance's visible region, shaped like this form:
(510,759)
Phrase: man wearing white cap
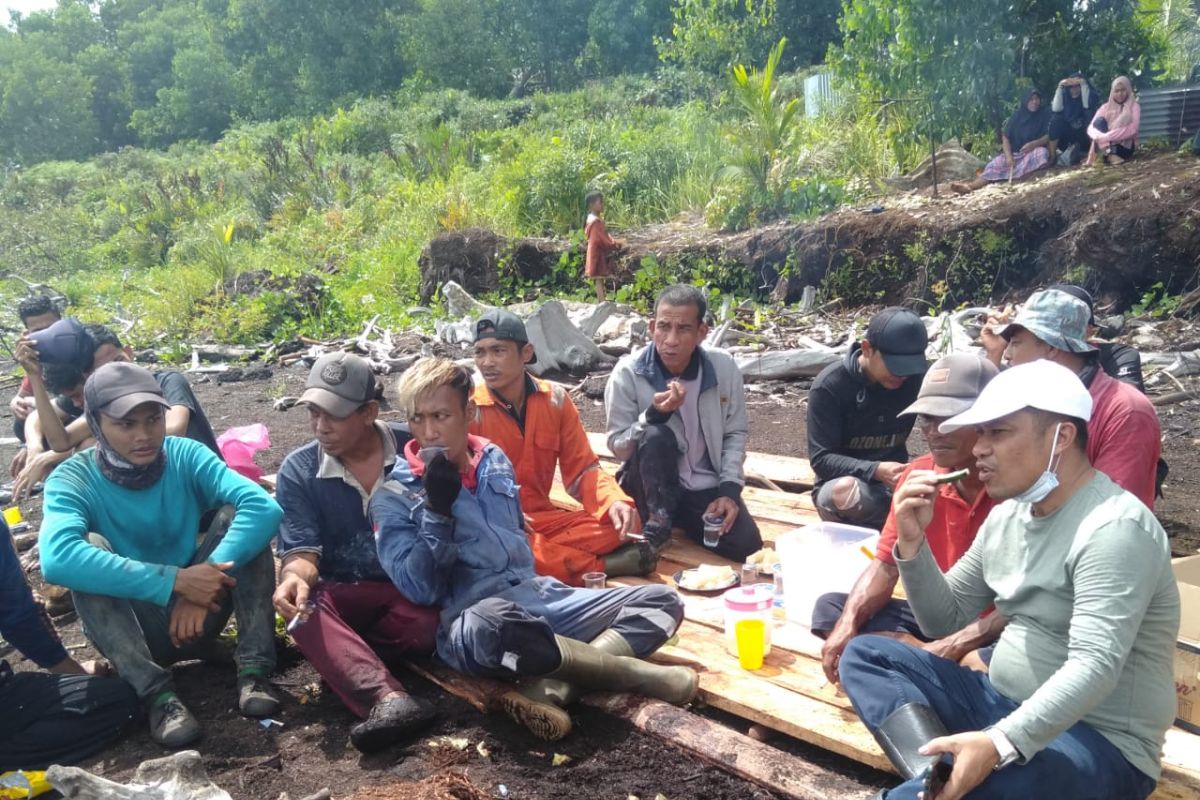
(1081,689)
(1124,437)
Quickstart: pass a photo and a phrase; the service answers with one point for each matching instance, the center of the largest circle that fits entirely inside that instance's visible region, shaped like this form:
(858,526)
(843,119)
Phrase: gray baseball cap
(952,385)
(1055,317)
(119,387)
(339,384)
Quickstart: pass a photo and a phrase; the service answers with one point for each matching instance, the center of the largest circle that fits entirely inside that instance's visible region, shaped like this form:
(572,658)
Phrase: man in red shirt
(1124,437)
(950,387)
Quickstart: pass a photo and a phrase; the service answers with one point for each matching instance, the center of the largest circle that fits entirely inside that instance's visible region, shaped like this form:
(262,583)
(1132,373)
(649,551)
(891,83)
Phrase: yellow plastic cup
(12,516)
(751,635)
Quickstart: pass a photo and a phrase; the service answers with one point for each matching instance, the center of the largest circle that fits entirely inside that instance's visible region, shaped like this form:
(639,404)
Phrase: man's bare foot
(1114,159)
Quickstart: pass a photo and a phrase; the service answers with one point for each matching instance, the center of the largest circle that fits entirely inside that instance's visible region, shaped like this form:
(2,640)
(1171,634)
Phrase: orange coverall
(565,544)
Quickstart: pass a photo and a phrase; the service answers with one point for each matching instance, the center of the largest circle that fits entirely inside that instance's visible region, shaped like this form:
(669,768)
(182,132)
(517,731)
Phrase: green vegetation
(265,168)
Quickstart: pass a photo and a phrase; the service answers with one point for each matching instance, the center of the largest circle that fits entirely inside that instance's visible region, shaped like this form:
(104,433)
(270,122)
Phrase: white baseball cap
(1040,384)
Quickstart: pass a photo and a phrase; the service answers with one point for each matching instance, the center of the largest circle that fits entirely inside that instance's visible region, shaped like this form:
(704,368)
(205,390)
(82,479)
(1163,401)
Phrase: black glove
(442,484)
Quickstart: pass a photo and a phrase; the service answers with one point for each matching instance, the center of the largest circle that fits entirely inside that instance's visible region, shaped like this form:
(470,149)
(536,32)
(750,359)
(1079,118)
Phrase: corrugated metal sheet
(1172,112)
(819,95)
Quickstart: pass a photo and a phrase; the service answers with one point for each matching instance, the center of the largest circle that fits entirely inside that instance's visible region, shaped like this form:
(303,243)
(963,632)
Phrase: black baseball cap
(504,325)
(1079,293)
(899,336)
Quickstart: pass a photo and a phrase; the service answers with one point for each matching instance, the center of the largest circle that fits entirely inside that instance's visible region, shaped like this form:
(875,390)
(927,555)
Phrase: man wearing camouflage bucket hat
(1124,440)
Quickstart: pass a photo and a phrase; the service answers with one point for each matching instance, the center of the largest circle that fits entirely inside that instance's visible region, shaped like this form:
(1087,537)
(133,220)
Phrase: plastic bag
(19,784)
(238,446)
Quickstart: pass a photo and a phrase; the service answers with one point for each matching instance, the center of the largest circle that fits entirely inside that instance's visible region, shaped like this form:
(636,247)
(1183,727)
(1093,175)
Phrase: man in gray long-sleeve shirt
(1081,688)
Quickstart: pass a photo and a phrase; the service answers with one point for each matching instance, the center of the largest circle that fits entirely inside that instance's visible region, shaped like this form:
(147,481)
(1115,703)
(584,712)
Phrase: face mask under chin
(1047,482)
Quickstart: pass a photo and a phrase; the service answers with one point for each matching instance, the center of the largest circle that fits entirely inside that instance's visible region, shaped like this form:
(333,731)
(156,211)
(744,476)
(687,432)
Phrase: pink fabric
(1124,121)
(354,628)
(1124,437)
(1023,164)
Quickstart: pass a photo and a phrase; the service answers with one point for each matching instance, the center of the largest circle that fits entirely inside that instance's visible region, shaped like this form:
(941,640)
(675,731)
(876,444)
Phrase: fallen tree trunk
(778,365)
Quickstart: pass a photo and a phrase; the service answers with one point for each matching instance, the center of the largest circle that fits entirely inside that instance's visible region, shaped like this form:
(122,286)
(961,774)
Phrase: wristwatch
(1008,752)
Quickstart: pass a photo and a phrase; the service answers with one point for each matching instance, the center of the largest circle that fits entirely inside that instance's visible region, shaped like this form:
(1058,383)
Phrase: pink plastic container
(748,602)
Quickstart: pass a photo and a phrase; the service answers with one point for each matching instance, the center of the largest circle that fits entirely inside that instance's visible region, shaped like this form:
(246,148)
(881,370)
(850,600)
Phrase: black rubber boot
(633,558)
(905,730)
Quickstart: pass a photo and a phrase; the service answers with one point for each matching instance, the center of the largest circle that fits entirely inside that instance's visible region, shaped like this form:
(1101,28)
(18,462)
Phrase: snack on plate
(707,577)
(766,560)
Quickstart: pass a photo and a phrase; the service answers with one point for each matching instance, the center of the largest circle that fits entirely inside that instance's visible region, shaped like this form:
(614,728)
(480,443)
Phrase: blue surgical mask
(1047,482)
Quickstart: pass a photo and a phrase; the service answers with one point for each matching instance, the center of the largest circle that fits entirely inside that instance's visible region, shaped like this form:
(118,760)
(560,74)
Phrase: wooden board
(796,472)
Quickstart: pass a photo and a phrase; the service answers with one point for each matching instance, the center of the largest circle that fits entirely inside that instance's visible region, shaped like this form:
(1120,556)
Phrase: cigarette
(636,536)
(951,477)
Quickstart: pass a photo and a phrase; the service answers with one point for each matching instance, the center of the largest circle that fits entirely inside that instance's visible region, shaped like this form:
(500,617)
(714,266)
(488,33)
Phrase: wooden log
(728,750)
(560,346)
(782,365)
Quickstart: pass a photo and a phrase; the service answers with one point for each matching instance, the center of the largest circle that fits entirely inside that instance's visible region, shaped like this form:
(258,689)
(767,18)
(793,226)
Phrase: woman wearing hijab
(1071,110)
(1024,139)
(1114,129)
(122,530)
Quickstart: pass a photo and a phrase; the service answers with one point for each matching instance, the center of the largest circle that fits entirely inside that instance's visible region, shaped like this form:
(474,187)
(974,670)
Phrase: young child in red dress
(599,244)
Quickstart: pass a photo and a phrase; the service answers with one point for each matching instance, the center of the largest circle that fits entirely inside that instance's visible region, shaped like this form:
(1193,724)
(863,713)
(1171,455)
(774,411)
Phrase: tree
(714,35)
(45,107)
(621,34)
(454,44)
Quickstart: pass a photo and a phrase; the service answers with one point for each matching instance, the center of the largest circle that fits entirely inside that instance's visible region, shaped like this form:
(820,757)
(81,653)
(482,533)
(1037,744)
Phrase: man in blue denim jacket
(467,552)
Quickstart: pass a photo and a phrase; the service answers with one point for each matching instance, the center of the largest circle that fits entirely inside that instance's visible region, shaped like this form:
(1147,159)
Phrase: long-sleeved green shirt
(1092,610)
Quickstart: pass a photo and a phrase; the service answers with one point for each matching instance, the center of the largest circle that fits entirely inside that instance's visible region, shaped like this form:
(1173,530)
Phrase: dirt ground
(608,759)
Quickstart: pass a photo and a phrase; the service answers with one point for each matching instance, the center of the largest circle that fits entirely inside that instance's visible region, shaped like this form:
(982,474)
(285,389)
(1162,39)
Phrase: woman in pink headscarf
(1114,129)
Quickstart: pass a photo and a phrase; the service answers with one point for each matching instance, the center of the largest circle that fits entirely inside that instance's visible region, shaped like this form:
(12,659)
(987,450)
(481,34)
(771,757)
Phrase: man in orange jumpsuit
(537,426)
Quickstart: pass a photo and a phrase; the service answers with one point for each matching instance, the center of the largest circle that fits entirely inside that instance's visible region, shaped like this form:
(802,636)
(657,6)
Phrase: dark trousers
(1121,150)
(651,478)
(354,629)
(135,635)
(1063,134)
(59,719)
(896,617)
(880,674)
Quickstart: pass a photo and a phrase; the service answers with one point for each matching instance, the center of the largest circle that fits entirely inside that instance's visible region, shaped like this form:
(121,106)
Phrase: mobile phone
(938,775)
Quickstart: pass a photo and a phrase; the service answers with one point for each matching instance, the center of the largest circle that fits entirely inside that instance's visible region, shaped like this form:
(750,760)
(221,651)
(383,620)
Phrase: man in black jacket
(856,442)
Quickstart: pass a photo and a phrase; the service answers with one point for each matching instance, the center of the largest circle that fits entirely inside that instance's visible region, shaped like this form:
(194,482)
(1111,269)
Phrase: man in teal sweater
(1081,688)
(122,530)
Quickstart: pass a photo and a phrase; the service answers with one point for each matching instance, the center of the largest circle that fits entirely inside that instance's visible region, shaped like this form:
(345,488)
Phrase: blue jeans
(513,632)
(135,635)
(895,617)
(880,674)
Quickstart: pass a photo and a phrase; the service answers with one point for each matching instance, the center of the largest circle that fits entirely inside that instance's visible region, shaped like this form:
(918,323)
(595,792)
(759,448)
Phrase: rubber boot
(592,668)
(539,705)
(905,730)
(634,558)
